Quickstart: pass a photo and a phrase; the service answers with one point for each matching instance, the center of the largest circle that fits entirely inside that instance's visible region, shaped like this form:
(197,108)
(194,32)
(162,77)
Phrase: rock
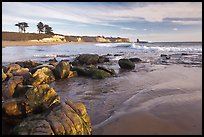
(135,60)
(41,97)
(15,108)
(98,73)
(91,72)
(4,76)
(103,59)
(33,70)
(28,64)
(164,56)
(12,68)
(44,75)
(111,71)
(9,88)
(61,70)
(126,64)
(62,119)
(81,71)
(72,74)
(21,90)
(88,59)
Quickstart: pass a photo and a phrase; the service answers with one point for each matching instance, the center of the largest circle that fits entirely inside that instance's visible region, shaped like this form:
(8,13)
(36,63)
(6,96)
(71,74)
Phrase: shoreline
(29,43)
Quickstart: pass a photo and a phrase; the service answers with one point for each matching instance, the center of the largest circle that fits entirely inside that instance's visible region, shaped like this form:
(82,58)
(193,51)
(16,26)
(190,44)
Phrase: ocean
(146,51)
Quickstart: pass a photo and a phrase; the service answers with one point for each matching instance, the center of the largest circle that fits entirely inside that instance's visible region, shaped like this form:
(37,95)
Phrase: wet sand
(173,106)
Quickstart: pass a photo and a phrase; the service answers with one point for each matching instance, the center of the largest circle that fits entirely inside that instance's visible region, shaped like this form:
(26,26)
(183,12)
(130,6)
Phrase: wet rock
(81,71)
(15,108)
(72,74)
(92,72)
(61,70)
(4,76)
(98,73)
(126,64)
(164,56)
(103,59)
(63,119)
(20,90)
(135,60)
(12,68)
(111,71)
(44,75)
(33,70)
(28,64)
(41,97)
(88,59)
(9,88)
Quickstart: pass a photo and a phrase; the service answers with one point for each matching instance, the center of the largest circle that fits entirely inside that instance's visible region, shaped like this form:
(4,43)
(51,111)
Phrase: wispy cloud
(175,29)
(104,13)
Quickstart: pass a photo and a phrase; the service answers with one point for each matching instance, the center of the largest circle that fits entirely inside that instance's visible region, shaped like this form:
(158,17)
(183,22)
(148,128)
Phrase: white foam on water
(148,48)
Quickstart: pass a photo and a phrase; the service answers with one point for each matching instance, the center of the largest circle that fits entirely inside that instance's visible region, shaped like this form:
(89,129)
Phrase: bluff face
(15,36)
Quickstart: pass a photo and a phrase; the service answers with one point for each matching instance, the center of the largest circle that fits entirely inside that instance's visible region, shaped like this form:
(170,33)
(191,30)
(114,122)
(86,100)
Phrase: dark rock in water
(61,70)
(63,119)
(53,61)
(164,56)
(81,71)
(88,59)
(135,60)
(91,72)
(9,89)
(28,64)
(98,74)
(41,97)
(118,54)
(43,75)
(111,71)
(126,64)
(103,59)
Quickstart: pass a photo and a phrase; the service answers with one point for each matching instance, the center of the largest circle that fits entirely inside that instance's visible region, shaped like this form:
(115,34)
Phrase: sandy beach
(29,43)
(173,106)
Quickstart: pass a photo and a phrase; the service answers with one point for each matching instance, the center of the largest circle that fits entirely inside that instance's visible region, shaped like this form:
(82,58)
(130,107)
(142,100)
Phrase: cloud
(127,28)
(102,13)
(193,22)
(175,29)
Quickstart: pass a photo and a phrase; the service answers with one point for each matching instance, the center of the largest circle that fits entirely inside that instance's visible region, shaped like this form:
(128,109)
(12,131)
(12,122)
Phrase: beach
(29,43)
(172,106)
(160,96)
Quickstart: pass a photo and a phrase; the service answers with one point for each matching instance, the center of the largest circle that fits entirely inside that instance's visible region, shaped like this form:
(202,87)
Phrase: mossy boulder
(41,97)
(88,59)
(61,70)
(63,119)
(44,75)
(91,72)
(126,64)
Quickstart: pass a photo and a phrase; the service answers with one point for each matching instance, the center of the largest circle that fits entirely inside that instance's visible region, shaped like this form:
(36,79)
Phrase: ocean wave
(150,48)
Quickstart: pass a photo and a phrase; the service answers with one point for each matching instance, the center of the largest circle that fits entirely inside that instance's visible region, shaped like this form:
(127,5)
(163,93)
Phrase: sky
(152,21)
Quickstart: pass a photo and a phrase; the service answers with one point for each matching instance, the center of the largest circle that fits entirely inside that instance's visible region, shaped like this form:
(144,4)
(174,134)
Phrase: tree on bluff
(40,27)
(22,26)
(48,29)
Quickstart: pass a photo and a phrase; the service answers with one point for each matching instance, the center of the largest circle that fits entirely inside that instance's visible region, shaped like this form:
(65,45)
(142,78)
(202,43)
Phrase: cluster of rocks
(34,106)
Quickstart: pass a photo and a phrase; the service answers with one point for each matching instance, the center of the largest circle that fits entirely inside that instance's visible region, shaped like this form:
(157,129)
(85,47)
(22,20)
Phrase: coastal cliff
(34,37)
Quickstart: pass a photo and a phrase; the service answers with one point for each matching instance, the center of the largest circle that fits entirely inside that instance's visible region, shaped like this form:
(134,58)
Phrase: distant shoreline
(29,43)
